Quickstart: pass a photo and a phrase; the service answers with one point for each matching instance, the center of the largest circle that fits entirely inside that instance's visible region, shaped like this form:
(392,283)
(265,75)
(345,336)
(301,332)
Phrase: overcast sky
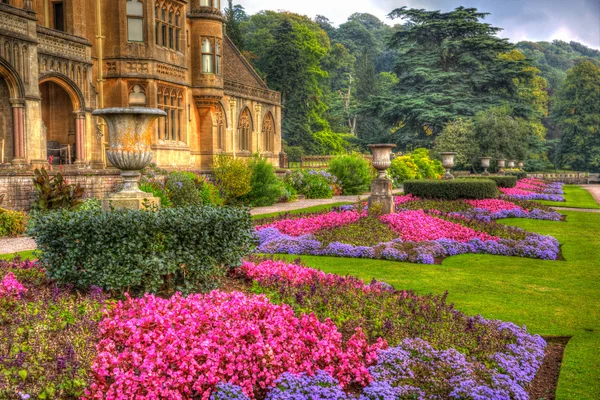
(577,20)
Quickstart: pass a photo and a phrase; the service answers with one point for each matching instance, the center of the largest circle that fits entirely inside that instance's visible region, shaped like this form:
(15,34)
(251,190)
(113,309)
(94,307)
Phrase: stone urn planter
(521,164)
(382,198)
(448,163)
(511,163)
(501,165)
(130,133)
(485,164)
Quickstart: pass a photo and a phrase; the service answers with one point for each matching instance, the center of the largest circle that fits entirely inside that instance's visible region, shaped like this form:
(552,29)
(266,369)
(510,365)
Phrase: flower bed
(423,237)
(437,352)
(534,189)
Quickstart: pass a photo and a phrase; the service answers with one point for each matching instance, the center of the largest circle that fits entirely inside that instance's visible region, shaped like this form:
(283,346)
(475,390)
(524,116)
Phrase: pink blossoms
(180,348)
(417,226)
(312,224)
(10,287)
(494,205)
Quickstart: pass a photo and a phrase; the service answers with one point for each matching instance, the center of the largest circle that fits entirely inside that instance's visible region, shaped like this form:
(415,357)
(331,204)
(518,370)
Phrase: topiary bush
(266,187)
(452,189)
(172,249)
(313,184)
(501,181)
(353,172)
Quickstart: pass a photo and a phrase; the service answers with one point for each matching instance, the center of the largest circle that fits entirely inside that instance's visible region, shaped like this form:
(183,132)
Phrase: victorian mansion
(61,59)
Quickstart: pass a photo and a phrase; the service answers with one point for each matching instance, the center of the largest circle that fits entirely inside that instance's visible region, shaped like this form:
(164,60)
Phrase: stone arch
(12,78)
(69,86)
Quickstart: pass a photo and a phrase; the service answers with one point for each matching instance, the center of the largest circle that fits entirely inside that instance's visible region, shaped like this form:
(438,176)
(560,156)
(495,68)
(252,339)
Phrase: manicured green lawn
(577,197)
(24,255)
(552,298)
(303,210)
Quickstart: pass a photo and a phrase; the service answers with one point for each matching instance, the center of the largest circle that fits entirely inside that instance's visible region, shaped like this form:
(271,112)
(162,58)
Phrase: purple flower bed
(534,245)
(486,216)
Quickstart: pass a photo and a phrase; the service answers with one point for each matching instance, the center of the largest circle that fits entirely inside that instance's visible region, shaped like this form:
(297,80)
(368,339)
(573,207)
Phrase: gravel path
(13,245)
(594,190)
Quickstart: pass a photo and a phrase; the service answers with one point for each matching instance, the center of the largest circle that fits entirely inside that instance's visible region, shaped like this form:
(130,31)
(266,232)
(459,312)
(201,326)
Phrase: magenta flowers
(10,287)
(312,224)
(181,348)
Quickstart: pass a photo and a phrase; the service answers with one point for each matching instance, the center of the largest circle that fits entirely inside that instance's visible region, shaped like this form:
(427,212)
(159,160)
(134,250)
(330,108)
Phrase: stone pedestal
(382,196)
(133,201)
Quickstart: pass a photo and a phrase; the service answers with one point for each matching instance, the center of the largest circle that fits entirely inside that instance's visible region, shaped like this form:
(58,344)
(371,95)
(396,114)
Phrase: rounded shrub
(156,190)
(233,177)
(313,184)
(452,189)
(353,172)
(12,223)
(266,187)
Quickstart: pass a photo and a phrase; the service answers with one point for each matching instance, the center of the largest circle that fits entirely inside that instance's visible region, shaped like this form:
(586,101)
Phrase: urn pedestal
(501,165)
(382,197)
(129,138)
(485,164)
(448,164)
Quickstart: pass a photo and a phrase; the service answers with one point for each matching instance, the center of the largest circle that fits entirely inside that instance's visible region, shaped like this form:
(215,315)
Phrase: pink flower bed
(531,184)
(404,199)
(494,205)
(515,192)
(312,224)
(417,226)
(291,273)
(180,348)
(11,287)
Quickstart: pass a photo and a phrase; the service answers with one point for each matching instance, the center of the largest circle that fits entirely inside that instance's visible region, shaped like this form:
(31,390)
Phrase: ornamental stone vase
(521,164)
(485,164)
(511,163)
(448,163)
(382,198)
(501,164)
(130,133)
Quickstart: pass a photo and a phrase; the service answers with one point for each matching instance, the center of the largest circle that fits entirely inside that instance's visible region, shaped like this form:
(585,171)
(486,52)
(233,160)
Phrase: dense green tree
(449,67)
(234,16)
(576,111)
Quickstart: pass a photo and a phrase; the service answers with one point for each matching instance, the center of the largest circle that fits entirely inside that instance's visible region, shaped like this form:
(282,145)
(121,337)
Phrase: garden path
(11,245)
(285,207)
(594,191)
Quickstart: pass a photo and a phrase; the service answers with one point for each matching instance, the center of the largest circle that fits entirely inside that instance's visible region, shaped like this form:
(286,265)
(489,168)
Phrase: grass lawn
(24,255)
(303,210)
(576,196)
(552,298)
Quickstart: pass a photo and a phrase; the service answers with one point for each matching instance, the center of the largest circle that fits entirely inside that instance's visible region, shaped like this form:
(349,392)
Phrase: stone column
(18,132)
(79,138)
(232,106)
(258,112)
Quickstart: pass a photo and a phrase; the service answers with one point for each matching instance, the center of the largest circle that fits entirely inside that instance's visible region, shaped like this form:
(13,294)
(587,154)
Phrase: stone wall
(18,185)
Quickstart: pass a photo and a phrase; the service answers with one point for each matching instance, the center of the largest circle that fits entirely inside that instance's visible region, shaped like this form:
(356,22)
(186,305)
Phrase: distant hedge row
(501,181)
(453,189)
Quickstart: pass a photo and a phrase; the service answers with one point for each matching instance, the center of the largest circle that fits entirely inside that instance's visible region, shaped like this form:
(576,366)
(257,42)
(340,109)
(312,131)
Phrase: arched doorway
(62,122)
(6,123)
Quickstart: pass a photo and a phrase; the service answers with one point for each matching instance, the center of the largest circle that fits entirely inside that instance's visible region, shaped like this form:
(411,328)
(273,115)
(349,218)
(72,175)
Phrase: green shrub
(210,194)
(156,190)
(353,173)
(453,189)
(403,169)
(90,204)
(428,168)
(12,223)
(312,184)
(233,177)
(173,249)
(54,193)
(289,193)
(517,174)
(182,188)
(501,181)
(266,187)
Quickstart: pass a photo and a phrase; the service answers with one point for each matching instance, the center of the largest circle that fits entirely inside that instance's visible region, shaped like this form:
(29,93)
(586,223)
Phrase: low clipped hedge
(501,181)
(172,249)
(452,189)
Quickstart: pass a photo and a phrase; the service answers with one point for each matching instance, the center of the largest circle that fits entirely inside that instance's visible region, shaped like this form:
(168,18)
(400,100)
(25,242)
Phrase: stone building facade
(61,59)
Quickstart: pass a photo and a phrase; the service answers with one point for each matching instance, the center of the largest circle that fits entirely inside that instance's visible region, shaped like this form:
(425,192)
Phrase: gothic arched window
(268,132)
(244,130)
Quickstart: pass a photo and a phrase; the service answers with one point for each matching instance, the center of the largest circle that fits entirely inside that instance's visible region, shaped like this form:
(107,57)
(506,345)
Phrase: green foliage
(415,165)
(156,190)
(54,193)
(333,143)
(576,111)
(353,173)
(183,188)
(233,177)
(172,249)
(452,189)
(90,204)
(501,181)
(12,223)
(234,16)
(266,187)
(311,184)
(449,66)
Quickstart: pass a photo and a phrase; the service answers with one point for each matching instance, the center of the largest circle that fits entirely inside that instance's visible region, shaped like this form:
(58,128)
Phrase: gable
(237,69)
